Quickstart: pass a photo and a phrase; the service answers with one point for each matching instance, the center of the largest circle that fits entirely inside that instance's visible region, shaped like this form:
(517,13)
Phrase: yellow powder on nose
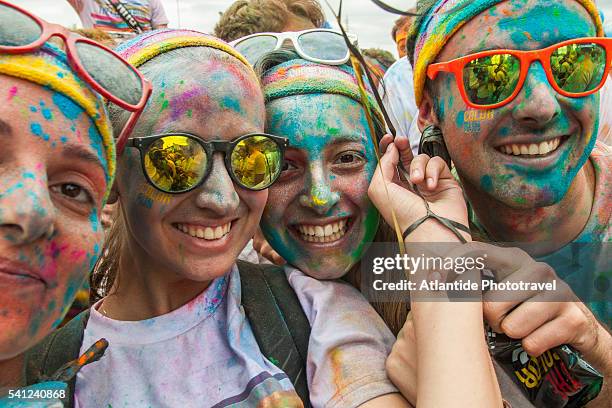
(317,201)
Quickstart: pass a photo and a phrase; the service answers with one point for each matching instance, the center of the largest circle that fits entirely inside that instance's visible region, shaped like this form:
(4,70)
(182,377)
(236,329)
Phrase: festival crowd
(187,218)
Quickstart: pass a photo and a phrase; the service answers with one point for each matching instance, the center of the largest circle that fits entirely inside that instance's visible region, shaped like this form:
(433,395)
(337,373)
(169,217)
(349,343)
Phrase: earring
(432,144)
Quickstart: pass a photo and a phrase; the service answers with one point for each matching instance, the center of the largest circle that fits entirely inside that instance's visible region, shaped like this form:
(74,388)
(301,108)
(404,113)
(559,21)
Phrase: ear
(114,194)
(427,113)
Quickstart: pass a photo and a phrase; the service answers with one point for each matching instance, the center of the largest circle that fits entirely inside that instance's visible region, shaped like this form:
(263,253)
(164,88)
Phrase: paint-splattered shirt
(203,354)
(349,343)
(586,263)
(102,15)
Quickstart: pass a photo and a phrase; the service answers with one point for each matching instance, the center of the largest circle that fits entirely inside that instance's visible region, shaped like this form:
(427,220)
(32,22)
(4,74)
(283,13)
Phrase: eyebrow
(81,153)
(5,128)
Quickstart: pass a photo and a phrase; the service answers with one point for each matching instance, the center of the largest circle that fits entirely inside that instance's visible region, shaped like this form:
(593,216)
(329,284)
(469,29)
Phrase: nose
(318,194)
(27,213)
(218,194)
(537,102)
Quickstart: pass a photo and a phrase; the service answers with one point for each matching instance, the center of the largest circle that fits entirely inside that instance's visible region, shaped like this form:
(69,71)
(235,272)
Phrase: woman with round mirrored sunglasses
(491,79)
(176,163)
(318,45)
(104,70)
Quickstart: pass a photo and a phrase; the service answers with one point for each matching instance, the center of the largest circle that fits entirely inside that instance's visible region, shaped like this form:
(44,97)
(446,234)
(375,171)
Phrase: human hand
(432,178)
(401,363)
(261,245)
(542,319)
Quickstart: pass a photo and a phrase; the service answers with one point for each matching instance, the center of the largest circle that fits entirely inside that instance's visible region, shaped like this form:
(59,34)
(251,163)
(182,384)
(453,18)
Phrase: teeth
(531,149)
(207,233)
(323,233)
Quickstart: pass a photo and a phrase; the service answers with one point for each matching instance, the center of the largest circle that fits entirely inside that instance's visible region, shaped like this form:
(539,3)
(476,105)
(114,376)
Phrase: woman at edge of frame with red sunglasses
(54,181)
(521,132)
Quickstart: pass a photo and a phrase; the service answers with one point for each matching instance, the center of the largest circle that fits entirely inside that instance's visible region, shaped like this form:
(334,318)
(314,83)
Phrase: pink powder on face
(12,93)
(78,255)
(49,271)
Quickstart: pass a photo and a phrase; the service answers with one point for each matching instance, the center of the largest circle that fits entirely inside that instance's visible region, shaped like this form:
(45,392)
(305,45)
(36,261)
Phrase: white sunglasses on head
(318,45)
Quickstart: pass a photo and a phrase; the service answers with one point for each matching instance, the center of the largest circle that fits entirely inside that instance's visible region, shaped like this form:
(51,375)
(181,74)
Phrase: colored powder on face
(230,103)
(94,220)
(68,108)
(549,24)
(486,183)
(47,114)
(12,93)
(96,143)
(37,130)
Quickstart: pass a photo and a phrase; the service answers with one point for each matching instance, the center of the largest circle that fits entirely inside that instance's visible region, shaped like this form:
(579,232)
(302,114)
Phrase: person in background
(379,61)
(397,85)
(245,17)
(399,32)
(121,19)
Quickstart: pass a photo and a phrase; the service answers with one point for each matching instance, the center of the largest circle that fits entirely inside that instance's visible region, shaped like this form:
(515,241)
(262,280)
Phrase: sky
(371,24)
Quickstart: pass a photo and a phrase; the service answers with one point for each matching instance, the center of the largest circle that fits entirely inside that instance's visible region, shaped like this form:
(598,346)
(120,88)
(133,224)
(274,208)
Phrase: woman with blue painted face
(320,220)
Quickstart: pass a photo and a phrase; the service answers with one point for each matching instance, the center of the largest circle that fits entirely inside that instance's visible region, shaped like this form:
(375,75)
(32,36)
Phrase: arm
(449,336)
(158,15)
(77,5)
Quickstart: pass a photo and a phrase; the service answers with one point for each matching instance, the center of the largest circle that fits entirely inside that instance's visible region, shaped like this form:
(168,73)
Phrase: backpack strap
(278,321)
(55,350)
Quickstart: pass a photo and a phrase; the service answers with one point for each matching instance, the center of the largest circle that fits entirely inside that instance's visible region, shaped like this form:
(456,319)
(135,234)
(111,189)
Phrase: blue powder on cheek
(460,119)
(486,183)
(94,220)
(70,109)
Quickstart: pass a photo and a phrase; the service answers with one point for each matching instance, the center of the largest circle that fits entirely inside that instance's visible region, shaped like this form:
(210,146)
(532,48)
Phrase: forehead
(313,121)
(206,98)
(521,24)
(36,114)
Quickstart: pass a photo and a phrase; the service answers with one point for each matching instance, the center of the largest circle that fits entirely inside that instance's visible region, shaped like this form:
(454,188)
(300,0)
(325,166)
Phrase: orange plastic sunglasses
(490,79)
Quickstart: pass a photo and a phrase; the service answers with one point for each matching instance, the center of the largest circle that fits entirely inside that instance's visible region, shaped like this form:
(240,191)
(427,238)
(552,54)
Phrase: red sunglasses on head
(490,79)
(104,70)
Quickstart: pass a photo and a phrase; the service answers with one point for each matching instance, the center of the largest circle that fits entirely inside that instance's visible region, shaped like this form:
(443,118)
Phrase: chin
(524,196)
(15,342)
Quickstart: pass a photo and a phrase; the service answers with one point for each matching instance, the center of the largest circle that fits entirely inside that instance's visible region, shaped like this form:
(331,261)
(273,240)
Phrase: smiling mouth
(212,233)
(541,149)
(331,232)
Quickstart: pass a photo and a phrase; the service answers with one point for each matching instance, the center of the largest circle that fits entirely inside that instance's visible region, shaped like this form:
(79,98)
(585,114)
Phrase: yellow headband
(144,48)
(49,71)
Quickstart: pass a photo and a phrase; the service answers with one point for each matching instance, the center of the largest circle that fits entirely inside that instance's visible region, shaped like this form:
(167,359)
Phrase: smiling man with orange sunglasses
(512,86)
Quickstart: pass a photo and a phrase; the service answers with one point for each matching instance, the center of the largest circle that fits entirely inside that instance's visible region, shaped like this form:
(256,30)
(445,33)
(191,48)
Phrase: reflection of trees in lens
(175,167)
(255,161)
(578,67)
(491,79)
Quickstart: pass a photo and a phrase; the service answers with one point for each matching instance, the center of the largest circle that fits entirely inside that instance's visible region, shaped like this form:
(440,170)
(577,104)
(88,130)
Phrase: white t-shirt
(102,15)
(397,90)
(203,354)
(349,343)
